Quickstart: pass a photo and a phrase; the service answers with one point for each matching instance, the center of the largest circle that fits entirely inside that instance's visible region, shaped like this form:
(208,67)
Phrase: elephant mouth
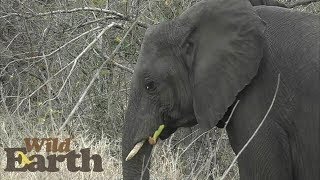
(167,132)
(159,133)
(172,124)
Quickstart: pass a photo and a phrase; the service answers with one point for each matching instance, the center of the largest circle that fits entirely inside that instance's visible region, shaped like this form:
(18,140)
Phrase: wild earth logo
(38,162)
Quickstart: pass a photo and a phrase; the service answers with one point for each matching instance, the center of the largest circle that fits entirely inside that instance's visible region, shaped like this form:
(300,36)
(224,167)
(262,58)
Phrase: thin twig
(123,67)
(92,9)
(193,142)
(207,131)
(301,3)
(48,80)
(233,109)
(216,149)
(255,132)
(28,15)
(82,53)
(49,89)
(53,52)
(75,108)
(185,137)
(97,21)
(3,99)
(101,55)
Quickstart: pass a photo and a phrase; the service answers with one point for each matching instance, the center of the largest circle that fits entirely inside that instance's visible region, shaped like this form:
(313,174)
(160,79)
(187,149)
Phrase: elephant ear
(226,40)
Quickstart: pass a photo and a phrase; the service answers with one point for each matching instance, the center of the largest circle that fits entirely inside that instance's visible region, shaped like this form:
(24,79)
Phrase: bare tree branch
(92,9)
(82,53)
(94,78)
(101,55)
(53,52)
(123,67)
(301,3)
(49,79)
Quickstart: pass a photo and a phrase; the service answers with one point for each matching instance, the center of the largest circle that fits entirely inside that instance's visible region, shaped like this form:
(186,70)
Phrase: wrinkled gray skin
(192,69)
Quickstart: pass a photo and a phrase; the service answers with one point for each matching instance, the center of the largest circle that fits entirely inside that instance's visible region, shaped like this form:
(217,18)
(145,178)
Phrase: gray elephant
(191,70)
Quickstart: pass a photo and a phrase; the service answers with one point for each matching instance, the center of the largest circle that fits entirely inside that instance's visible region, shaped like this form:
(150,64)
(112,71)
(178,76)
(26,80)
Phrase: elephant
(191,70)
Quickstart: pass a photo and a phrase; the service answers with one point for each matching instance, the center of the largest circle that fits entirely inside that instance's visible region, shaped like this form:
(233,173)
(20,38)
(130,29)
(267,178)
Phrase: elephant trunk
(140,123)
(138,166)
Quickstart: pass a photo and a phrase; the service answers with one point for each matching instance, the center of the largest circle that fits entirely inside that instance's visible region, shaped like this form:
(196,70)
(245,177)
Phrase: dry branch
(90,9)
(83,52)
(48,80)
(51,53)
(95,76)
(114,63)
(301,3)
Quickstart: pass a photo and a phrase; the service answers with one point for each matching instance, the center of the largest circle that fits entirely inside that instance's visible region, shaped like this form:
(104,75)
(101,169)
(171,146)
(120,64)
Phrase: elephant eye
(150,86)
(189,47)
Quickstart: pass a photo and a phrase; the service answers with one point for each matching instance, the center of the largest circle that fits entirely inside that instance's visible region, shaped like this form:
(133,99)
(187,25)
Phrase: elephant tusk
(135,150)
(152,141)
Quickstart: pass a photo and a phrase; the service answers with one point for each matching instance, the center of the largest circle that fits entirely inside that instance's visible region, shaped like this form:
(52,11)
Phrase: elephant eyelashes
(150,86)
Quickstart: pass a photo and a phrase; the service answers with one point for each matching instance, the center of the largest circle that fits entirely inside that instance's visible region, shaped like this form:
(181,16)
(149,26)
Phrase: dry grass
(13,133)
(172,159)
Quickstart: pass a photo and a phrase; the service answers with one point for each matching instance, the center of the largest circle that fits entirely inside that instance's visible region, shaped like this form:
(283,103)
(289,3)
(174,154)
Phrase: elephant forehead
(165,34)
(154,50)
(153,63)
(152,53)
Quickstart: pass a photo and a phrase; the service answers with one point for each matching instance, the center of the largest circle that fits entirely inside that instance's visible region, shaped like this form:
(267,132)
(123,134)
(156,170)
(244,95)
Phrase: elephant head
(189,72)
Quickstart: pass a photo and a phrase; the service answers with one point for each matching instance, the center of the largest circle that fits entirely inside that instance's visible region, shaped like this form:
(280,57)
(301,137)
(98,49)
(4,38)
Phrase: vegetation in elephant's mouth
(152,141)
